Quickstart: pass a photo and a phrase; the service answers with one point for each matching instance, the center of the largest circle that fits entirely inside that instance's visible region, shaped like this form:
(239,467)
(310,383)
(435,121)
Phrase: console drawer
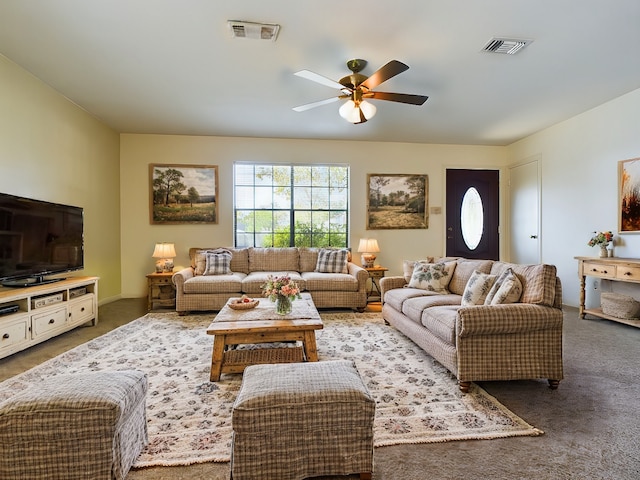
(44,323)
(13,333)
(82,309)
(630,274)
(599,270)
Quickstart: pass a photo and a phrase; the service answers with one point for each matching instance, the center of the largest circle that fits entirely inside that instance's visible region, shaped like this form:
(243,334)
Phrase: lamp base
(168,265)
(367,260)
(164,265)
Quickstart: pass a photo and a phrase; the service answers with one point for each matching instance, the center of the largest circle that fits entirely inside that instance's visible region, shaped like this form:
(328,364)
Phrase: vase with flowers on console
(602,240)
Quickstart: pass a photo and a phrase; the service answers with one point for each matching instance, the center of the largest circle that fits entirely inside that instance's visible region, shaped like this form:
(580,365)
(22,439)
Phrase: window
(291,205)
(472,218)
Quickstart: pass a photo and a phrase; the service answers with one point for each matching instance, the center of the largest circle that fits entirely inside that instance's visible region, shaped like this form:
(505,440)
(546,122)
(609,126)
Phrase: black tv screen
(38,239)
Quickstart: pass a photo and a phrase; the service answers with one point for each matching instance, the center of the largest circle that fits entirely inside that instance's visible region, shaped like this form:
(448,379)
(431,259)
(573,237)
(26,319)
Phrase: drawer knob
(5,336)
(52,321)
(627,273)
(604,271)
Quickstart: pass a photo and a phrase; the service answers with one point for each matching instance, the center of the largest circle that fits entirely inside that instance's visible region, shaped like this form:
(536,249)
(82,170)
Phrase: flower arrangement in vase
(602,240)
(281,290)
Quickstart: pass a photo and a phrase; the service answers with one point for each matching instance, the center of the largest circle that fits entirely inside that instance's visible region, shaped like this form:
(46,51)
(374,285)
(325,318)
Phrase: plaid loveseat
(250,267)
(510,341)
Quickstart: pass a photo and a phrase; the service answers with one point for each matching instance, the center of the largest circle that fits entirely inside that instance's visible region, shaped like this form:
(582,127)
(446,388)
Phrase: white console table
(44,311)
(612,268)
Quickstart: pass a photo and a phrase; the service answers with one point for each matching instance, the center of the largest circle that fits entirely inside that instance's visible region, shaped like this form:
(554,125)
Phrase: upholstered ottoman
(299,420)
(81,426)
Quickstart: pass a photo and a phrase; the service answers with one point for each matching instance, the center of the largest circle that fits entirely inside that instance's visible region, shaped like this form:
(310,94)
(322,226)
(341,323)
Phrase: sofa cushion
(239,258)
(332,261)
(506,289)
(441,322)
(231,283)
(407,267)
(341,282)
(478,286)
(433,277)
(464,270)
(538,281)
(415,307)
(395,297)
(218,263)
(273,259)
(252,283)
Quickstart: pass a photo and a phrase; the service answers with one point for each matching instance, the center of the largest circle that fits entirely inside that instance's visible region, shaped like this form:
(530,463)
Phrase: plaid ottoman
(81,426)
(299,420)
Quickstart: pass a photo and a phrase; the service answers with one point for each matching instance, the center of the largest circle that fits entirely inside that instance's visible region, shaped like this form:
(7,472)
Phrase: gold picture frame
(180,194)
(397,201)
(629,196)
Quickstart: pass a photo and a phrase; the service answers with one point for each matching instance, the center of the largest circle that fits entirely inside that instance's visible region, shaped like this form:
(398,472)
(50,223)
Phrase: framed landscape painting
(183,194)
(629,196)
(397,201)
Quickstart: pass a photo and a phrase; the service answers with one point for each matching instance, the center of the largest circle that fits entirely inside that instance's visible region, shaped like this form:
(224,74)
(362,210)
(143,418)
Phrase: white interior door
(524,219)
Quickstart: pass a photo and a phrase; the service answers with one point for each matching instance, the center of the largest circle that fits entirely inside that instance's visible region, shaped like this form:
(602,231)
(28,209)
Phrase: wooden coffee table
(263,325)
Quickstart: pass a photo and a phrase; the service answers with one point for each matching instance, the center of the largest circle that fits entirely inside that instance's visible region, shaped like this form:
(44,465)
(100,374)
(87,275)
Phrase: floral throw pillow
(477,288)
(506,289)
(408,265)
(433,277)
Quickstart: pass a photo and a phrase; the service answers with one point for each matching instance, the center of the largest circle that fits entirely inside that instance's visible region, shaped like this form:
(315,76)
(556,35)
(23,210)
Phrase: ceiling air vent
(508,46)
(254,31)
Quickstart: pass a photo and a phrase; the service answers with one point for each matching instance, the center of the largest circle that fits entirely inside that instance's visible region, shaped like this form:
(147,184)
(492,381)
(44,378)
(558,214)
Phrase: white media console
(38,313)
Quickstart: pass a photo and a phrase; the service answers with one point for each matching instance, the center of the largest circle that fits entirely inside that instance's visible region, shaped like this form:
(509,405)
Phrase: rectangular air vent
(254,31)
(508,46)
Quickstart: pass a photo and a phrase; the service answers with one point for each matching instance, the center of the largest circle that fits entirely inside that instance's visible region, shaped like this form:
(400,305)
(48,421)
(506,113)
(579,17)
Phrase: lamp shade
(368,245)
(164,250)
(351,112)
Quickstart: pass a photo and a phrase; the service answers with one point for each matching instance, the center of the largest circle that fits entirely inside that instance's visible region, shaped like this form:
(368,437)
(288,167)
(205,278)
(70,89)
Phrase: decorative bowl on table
(243,303)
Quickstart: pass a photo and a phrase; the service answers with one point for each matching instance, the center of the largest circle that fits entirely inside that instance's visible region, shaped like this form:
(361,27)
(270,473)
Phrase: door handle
(533,236)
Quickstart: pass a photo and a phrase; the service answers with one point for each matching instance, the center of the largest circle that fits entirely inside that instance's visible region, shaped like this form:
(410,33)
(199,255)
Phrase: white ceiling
(171,66)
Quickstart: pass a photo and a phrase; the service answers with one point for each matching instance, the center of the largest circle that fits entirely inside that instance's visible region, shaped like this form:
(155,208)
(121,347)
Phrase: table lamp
(367,247)
(165,253)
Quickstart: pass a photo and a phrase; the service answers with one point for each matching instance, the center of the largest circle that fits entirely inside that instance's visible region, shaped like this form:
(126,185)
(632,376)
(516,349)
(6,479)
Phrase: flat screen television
(38,239)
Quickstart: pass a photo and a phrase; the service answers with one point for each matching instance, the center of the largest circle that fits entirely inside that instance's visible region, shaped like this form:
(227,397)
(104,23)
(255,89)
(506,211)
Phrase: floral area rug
(189,417)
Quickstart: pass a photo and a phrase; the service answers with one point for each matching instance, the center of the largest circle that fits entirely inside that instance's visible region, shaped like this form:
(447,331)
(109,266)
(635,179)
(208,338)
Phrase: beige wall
(579,160)
(138,151)
(52,150)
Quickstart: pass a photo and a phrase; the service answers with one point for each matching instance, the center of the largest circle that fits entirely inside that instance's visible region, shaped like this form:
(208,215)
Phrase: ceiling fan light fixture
(351,112)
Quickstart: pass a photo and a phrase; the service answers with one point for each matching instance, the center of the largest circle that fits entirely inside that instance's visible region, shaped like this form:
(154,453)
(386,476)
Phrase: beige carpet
(417,400)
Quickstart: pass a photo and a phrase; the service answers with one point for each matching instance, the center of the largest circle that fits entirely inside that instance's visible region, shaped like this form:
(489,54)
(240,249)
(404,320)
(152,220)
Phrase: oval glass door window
(472,218)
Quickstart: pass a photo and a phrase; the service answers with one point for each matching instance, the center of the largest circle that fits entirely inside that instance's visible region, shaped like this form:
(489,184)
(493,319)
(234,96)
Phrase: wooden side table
(161,291)
(375,273)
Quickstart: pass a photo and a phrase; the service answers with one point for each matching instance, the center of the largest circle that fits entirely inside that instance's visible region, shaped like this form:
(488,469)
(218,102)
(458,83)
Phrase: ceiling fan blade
(384,73)
(309,106)
(397,97)
(315,77)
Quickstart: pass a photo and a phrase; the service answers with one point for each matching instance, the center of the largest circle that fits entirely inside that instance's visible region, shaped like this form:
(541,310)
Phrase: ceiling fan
(358,88)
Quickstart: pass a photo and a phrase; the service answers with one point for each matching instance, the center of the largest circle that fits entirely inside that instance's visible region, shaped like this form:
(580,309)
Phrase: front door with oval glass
(472,214)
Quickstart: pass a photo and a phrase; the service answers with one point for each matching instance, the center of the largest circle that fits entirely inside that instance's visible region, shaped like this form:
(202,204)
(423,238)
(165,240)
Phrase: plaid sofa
(250,268)
(512,341)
